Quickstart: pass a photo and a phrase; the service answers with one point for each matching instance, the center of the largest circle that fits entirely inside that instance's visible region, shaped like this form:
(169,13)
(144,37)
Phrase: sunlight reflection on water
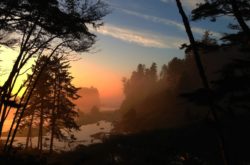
(84,137)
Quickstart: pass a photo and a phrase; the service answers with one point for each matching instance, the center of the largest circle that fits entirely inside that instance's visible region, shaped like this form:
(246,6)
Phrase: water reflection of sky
(84,137)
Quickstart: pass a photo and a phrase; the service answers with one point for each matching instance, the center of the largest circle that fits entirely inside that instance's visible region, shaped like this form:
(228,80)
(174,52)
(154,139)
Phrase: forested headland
(190,111)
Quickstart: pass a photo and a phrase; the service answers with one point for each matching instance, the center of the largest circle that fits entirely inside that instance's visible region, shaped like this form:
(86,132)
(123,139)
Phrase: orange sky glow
(107,81)
(85,73)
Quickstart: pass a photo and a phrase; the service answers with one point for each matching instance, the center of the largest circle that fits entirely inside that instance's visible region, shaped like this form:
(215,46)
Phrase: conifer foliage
(238,9)
(44,27)
(51,107)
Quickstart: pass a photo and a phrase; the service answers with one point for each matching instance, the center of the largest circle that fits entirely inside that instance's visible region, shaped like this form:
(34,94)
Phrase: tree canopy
(239,9)
(50,28)
(54,18)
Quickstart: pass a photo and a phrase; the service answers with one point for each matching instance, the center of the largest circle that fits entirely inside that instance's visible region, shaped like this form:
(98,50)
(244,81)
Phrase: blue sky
(139,31)
(148,29)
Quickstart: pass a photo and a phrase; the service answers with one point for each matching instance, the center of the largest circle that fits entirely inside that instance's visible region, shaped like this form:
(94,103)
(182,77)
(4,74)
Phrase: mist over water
(83,137)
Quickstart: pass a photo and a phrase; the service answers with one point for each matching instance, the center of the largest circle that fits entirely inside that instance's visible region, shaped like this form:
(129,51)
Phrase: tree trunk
(53,117)
(2,119)
(53,121)
(27,101)
(239,18)
(204,81)
(29,135)
(40,134)
(6,90)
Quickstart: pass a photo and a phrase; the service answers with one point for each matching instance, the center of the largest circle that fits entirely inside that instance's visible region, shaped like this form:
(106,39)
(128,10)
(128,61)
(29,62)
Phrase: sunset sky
(136,31)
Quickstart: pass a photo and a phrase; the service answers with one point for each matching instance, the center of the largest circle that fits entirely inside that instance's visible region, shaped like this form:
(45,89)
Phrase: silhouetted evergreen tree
(239,9)
(44,27)
(204,80)
(232,88)
(40,102)
(50,106)
(63,111)
(142,83)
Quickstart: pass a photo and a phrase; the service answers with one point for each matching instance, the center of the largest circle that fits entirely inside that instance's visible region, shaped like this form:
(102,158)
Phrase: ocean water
(83,137)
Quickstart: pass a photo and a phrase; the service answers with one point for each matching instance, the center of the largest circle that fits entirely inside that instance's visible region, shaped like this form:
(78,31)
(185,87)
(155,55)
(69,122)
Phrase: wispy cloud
(168,22)
(187,3)
(145,39)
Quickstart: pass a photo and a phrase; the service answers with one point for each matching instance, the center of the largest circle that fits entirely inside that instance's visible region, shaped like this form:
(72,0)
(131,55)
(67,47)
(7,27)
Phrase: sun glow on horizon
(7,59)
(108,82)
(85,72)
